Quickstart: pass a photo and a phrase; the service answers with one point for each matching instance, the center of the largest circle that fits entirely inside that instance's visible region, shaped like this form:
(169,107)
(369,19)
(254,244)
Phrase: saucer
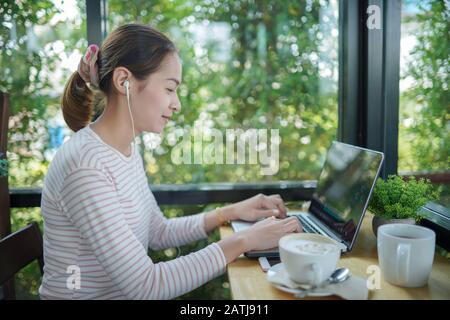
(319,292)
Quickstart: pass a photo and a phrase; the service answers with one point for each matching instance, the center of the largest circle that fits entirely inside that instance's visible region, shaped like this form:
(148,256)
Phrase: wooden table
(248,281)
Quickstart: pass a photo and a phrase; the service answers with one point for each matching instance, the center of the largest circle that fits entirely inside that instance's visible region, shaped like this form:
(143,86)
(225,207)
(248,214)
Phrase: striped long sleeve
(89,202)
(167,233)
(100,218)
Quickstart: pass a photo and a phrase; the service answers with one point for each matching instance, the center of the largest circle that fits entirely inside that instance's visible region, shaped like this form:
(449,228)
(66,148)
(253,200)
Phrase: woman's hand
(265,234)
(259,206)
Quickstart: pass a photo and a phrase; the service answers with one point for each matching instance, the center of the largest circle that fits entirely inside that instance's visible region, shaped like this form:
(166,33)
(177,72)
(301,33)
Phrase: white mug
(309,266)
(405,254)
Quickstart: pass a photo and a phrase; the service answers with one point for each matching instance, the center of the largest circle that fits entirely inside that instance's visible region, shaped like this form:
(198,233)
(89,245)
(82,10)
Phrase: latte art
(311,247)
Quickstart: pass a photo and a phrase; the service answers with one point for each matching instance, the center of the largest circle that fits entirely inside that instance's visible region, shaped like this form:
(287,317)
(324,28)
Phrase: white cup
(309,258)
(405,254)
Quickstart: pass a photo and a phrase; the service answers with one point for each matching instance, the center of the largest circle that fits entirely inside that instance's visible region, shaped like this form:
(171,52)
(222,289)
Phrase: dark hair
(137,47)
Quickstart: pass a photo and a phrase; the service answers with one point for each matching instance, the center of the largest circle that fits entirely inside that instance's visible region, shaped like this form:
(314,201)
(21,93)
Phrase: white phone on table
(266,264)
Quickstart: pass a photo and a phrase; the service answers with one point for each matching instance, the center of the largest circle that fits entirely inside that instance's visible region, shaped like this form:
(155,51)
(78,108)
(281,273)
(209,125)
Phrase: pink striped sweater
(100,218)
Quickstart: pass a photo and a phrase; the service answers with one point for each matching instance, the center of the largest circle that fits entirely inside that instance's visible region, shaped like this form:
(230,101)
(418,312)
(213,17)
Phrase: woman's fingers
(268,203)
(290,219)
(299,227)
(266,213)
(293,224)
(273,202)
(278,201)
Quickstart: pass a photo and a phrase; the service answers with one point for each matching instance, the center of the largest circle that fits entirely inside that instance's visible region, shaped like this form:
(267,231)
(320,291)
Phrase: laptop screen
(344,188)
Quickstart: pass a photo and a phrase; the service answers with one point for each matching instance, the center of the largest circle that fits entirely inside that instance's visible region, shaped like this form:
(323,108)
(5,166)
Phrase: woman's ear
(120,75)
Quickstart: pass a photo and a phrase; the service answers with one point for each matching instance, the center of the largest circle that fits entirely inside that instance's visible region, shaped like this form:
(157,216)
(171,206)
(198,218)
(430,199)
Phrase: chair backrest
(5,219)
(5,215)
(18,250)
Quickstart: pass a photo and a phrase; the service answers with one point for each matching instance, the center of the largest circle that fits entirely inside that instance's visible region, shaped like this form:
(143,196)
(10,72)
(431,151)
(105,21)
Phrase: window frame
(369,75)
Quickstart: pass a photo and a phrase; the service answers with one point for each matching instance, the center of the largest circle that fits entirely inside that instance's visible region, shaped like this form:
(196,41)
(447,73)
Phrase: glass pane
(247,65)
(41,45)
(424,142)
(43,42)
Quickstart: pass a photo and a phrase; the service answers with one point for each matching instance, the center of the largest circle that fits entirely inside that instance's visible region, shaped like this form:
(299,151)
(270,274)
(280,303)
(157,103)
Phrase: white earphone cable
(127,86)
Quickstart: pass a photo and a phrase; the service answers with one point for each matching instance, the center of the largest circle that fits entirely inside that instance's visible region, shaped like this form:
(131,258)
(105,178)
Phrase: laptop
(340,200)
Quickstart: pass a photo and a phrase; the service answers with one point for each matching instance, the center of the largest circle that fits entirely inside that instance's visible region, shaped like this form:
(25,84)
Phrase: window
(246,65)
(424,128)
(41,45)
(43,41)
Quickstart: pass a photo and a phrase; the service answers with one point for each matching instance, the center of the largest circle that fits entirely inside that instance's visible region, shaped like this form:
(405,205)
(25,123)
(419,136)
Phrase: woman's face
(155,99)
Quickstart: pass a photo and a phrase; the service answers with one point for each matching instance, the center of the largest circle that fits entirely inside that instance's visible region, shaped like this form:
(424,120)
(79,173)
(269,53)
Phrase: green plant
(396,198)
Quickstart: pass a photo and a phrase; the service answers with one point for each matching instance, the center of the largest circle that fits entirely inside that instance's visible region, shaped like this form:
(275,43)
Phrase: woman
(100,217)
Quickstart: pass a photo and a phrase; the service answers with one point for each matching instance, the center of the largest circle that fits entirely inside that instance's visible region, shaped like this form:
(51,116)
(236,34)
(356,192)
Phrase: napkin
(354,288)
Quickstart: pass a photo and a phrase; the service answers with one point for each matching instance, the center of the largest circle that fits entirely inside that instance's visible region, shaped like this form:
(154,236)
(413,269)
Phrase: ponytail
(77,103)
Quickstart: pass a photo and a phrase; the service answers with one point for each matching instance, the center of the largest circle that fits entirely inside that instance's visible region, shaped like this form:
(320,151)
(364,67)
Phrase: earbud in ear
(126,84)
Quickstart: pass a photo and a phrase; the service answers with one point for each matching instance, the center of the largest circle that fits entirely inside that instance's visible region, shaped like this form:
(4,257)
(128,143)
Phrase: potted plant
(398,201)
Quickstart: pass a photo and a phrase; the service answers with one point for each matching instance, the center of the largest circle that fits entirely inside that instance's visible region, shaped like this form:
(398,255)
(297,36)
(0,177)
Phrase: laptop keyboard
(308,227)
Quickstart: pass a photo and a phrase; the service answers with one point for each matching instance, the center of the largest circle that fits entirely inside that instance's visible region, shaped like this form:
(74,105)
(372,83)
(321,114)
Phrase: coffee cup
(405,254)
(309,258)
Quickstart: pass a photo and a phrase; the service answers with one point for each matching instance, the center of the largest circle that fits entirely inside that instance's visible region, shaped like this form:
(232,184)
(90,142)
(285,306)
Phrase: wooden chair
(18,250)
(5,214)
(5,217)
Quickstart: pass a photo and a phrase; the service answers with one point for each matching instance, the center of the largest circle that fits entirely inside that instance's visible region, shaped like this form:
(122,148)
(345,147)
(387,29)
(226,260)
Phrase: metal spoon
(339,275)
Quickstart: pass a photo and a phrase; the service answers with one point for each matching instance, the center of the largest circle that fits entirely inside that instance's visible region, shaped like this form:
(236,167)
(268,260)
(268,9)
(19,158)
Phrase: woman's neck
(114,127)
